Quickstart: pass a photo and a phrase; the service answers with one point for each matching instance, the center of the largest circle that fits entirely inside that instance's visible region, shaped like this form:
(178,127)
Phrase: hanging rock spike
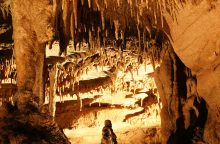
(72,27)
(75,10)
(103,20)
(106,4)
(89,3)
(118,2)
(161,12)
(116,23)
(82,1)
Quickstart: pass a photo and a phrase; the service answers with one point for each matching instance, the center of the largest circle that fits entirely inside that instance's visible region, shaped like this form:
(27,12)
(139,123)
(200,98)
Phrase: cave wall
(195,37)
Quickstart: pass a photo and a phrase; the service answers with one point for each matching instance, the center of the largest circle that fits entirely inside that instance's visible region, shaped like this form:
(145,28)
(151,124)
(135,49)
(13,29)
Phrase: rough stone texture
(31,127)
(170,80)
(195,36)
(32,28)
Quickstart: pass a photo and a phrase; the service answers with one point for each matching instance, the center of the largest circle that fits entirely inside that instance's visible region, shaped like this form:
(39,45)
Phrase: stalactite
(176,3)
(131,3)
(144,35)
(72,29)
(141,9)
(55,20)
(82,2)
(64,27)
(136,3)
(90,38)
(116,24)
(99,39)
(89,3)
(131,8)
(147,4)
(142,2)
(118,2)
(157,6)
(164,4)
(155,16)
(103,20)
(161,12)
(75,11)
(106,4)
(172,8)
(128,1)
(139,39)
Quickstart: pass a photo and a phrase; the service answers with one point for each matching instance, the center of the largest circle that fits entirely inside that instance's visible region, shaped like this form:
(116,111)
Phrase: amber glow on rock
(124,102)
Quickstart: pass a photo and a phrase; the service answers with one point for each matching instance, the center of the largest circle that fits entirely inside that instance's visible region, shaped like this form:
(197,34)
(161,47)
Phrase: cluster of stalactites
(93,21)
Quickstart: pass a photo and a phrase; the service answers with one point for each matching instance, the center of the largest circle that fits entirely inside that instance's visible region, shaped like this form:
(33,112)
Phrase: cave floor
(126,134)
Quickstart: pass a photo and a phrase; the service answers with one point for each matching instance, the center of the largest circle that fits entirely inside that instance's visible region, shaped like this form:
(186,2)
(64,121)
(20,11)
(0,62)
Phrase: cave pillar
(170,78)
(31,30)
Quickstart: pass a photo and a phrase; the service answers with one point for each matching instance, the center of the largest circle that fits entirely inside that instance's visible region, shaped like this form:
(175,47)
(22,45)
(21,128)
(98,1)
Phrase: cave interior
(151,67)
